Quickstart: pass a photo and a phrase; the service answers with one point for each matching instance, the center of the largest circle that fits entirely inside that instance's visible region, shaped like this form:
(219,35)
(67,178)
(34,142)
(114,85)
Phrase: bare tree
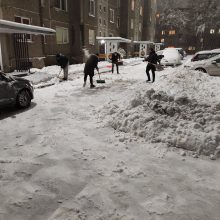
(206,15)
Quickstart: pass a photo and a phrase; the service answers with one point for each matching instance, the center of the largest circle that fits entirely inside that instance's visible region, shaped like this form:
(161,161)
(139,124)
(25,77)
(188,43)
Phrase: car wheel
(23,99)
(201,70)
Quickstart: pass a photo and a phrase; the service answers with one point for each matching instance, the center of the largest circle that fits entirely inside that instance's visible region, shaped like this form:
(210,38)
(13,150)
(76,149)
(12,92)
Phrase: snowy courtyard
(125,150)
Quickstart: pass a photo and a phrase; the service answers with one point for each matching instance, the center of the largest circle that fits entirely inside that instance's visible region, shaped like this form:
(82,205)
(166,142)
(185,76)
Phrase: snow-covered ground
(124,150)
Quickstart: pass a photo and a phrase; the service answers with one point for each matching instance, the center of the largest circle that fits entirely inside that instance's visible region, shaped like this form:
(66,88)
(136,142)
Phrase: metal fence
(22,60)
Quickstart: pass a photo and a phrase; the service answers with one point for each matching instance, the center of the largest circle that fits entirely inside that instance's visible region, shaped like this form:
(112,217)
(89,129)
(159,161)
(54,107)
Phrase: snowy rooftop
(14,27)
(118,39)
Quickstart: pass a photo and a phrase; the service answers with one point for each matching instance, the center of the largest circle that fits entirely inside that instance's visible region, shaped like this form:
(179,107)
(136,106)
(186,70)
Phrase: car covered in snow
(171,57)
(15,91)
(205,54)
(210,66)
(182,52)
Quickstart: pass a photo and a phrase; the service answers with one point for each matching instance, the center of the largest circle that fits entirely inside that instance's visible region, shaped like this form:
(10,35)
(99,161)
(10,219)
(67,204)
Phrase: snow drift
(181,110)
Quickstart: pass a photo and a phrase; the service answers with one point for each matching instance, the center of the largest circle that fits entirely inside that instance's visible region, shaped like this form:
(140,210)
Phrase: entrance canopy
(111,44)
(143,42)
(144,46)
(114,39)
(14,27)
(157,46)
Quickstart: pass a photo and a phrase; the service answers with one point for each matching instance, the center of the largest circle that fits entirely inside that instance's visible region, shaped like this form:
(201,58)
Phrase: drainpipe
(42,25)
(1,61)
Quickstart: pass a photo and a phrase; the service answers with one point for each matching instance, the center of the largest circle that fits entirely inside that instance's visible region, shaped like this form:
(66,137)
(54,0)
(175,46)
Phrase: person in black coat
(90,66)
(115,57)
(63,62)
(152,62)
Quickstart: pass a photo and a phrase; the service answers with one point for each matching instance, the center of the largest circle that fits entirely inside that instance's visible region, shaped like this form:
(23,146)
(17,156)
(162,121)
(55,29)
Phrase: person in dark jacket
(63,62)
(115,57)
(152,62)
(90,66)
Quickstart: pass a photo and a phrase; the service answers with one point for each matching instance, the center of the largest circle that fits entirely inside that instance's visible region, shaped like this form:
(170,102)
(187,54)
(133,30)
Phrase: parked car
(159,52)
(205,54)
(15,91)
(210,66)
(171,57)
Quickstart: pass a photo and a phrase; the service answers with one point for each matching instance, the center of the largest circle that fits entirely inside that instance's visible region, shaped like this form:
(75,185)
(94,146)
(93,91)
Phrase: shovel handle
(99,74)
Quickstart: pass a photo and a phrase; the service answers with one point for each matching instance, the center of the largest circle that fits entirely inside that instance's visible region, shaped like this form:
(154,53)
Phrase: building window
(172,32)
(100,8)
(118,22)
(44,39)
(100,21)
(62,35)
(132,24)
(104,9)
(112,15)
(100,33)
(24,20)
(92,8)
(191,48)
(91,37)
(212,31)
(61,4)
(163,32)
(118,3)
(162,40)
(132,5)
(140,27)
(104,22)
(42,3)
(141,11)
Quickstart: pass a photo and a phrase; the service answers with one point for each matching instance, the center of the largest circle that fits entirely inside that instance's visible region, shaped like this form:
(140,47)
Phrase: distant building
(188,25)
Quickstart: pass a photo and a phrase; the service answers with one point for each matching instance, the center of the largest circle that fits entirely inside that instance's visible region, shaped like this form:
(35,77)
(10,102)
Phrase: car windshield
(202,56)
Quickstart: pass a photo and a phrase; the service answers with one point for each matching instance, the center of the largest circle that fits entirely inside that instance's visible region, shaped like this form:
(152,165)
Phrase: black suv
(15,91)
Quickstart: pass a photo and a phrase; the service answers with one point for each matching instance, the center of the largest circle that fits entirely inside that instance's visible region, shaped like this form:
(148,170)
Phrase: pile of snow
(181,110)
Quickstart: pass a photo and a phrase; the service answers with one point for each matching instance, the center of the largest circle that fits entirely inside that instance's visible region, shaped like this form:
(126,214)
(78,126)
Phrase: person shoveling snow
(63,62)
(91,64)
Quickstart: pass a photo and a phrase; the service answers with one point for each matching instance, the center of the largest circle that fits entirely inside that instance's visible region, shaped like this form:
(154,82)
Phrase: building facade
(60,15)
(132,23)
(149,20)
(77,24)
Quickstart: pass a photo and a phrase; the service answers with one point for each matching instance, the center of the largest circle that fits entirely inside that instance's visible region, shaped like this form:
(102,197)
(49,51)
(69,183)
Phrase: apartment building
(60,15)
(149,20)
(132,14)
(77,24)
(99,18)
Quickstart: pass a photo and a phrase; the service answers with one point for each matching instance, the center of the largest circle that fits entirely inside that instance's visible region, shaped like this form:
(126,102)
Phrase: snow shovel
(100,80)
(58,76)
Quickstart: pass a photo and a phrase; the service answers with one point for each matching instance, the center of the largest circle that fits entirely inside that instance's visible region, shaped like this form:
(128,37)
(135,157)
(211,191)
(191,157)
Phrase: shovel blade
(100,81)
